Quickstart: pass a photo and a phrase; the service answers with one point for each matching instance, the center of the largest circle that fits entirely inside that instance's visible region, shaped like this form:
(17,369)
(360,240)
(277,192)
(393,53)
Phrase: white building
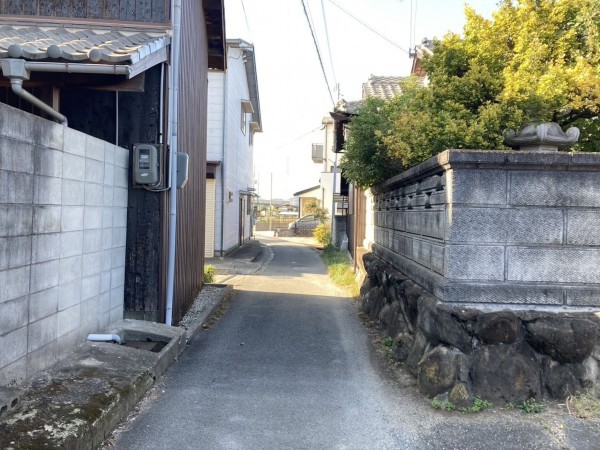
(233,119)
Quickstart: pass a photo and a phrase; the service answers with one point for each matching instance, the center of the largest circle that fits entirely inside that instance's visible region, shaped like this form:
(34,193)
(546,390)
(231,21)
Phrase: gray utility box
(146,164)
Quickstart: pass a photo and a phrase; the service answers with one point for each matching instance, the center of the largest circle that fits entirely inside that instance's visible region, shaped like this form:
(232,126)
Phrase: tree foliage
(534,60)
(313,207)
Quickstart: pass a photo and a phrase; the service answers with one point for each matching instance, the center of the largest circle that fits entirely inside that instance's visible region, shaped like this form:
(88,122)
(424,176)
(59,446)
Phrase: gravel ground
(204,302)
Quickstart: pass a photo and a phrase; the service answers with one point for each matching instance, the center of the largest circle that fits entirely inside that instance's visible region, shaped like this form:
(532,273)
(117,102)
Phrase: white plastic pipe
(104,338)
(17,88)
(172,139)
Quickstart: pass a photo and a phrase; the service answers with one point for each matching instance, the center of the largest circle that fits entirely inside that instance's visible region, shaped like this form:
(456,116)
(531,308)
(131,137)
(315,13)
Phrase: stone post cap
(541,137)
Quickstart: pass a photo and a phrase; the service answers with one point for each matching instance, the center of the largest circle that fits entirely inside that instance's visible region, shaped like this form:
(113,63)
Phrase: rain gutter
(19,70)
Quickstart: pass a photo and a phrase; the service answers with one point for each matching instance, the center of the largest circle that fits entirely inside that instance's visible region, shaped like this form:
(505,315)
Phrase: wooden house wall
(139,121)
(192,136)
(156,11)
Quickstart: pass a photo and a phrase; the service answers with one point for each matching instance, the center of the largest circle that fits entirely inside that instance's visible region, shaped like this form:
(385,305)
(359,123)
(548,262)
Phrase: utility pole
(271,206)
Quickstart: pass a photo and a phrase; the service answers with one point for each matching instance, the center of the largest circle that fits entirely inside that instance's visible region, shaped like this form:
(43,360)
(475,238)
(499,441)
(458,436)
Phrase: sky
(294,96)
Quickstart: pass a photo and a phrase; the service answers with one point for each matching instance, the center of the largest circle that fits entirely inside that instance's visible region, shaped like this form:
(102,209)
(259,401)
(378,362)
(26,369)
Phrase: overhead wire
(312,32)
(329,48)
(246,19)
(369,27)
(296,139)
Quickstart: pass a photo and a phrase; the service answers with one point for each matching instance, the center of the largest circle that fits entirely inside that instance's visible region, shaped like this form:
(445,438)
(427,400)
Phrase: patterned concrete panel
(504,294)
(473,187)
(583,297)
(506,226)
(557,265)
(582,227)
(562,188)
(469,262)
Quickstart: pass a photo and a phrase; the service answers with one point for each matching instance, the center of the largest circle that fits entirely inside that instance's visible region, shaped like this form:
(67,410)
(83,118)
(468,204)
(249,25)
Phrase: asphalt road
(290,366)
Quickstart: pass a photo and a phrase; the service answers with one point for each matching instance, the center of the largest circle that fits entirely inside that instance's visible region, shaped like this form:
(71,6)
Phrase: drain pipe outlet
(16,72)
(105,338)
(17,88)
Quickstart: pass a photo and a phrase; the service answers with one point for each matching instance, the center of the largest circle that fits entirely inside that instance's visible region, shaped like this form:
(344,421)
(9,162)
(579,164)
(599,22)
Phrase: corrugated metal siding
(209,245)
(132,10)
(193,88)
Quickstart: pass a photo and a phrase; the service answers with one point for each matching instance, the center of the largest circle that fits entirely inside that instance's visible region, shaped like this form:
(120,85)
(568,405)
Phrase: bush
(323,234)
(209,273)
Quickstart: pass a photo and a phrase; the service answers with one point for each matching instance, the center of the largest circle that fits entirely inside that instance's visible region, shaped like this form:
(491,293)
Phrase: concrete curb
(79,401)
(193,329)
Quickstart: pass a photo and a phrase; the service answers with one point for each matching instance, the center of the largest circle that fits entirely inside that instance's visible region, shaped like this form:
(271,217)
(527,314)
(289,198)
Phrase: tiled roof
(348,107)
(77,44)
(382,87)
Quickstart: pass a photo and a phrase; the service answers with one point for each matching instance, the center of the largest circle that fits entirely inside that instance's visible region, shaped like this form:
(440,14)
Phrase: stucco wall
(63,212)
(505,228)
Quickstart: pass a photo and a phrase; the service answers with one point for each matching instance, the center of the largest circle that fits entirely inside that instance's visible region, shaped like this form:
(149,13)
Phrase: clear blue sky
(293,94)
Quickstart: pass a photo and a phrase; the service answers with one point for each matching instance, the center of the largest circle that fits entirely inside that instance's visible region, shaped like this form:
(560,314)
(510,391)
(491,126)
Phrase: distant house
(233,119)
(81,244)
(307,196)
(356,226)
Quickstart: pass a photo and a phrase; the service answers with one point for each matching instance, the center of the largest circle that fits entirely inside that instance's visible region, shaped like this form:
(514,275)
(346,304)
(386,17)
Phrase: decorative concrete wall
(63,212)
(485,271)
(496,227)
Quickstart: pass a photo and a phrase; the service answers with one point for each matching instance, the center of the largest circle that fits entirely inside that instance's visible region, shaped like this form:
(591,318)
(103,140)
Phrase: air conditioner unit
(317,153)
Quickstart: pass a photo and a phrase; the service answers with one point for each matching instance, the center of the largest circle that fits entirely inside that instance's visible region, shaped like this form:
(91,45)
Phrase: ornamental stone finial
(541,137)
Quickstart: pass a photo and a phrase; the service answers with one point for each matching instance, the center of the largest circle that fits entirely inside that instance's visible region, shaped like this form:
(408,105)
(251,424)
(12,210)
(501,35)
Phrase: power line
(370,28)
(318,53)
(296,139)
(246,19)
(329,47)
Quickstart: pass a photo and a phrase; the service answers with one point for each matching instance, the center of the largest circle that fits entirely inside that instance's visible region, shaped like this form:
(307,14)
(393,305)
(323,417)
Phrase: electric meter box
(146,164)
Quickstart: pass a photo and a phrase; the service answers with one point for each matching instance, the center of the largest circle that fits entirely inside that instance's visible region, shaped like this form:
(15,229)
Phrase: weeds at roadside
(445,405)
(479,404)
(209,274)
(339,269)
(531,406)
(586,404)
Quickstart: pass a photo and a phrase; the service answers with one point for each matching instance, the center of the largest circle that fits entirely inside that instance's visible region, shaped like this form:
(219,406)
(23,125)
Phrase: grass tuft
(586,404)
(340,270)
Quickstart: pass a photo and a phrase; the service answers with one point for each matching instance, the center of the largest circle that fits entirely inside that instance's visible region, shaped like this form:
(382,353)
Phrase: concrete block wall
(63,214)
(496,227)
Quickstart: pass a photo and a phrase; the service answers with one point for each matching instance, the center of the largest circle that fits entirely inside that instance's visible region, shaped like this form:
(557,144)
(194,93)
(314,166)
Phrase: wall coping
(492,159)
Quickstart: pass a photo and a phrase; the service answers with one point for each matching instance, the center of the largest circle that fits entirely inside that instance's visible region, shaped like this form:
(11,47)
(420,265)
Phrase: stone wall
(63,212)
(485,271)
(499,227)
(457,352)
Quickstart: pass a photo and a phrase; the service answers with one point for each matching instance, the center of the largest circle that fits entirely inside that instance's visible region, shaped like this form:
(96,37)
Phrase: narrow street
(290,366)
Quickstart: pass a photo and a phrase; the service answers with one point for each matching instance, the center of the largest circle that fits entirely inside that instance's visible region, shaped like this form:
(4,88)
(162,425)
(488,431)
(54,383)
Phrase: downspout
(224,143)
(17,87)
(172,137)
(15,70)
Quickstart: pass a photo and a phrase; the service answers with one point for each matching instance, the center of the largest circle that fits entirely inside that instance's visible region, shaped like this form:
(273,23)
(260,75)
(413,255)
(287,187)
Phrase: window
(243,121)
(246,108)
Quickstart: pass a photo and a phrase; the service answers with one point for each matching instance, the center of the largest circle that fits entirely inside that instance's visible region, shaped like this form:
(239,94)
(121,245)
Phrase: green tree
(367,160)
(313,207)
(534,60)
